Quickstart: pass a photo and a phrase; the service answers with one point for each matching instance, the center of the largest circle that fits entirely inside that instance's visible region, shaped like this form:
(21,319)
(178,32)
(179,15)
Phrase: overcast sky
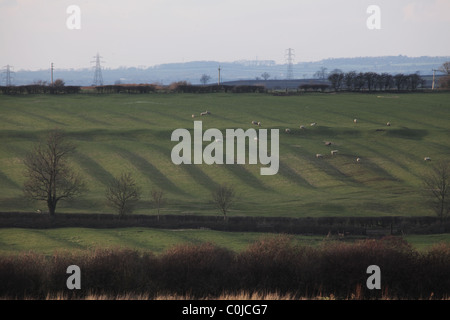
(33,33)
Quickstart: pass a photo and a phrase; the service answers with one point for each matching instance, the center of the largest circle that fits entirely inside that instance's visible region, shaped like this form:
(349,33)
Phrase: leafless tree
(445,68)
(437,186)
(265,76)
(223,198)
(49,177)
(123,194)
(158,199)
(321,73)
(205,79)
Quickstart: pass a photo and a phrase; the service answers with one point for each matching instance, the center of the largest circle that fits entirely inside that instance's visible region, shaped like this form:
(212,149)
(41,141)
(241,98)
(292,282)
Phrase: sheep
(318,155)
(38,211)
(427,159)
(254,122)
(358,159)
(313,124)
(327,143)
(388,124)
(259,123)
(302,127)
(355,120)
(205,113)
(334,152)
(193,116)
(287,130)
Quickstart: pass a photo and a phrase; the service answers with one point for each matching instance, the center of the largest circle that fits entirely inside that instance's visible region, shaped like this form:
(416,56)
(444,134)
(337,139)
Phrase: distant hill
(233,71)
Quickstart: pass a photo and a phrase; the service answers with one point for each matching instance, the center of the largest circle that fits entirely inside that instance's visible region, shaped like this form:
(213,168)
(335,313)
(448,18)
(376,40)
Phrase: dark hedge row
(365,226)
(39,89)
(273,264)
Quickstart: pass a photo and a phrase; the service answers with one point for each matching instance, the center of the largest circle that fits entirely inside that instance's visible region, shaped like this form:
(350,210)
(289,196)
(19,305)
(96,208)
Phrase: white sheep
(327,143)
(193,116)
(358,159)
(38,211)
(388,124)
(302,127)
(427,159)
(318,155)
(254,122)
(313,124)
(259,123)
(355,120)
(287,130)
(334,152)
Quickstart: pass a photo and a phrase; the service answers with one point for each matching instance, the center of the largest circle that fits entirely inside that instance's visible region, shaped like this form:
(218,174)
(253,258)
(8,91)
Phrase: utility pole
(8,72)
(219,76)
(98,78)
(52,73)
(434,77)
(290,63)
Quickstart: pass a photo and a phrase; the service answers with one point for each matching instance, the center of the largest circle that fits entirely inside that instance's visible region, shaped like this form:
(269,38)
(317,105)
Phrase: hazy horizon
(35,33)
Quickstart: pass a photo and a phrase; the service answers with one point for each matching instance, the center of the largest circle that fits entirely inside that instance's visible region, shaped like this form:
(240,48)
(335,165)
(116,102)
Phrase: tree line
(372,81)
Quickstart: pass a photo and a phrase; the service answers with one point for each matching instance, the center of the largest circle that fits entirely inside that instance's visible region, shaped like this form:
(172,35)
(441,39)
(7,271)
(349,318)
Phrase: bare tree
(158,199)
(265,76)
(123,194)
(49,177)
(445,68)
(437,186)
(223,198)
(59,83)
(321,73)
(205,79)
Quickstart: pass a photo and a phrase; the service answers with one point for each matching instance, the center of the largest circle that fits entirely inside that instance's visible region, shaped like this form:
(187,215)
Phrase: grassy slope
(132,133)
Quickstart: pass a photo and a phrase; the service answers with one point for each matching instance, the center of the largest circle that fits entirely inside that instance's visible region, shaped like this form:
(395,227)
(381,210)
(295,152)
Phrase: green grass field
(117,133)
(50,241)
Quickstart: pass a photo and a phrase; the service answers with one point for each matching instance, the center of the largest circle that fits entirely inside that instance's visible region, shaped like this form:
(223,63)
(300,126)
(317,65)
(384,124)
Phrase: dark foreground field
(273,265)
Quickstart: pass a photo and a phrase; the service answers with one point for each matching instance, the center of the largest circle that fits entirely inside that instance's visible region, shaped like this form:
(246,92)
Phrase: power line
(290,63)
(98,78)
(8,72)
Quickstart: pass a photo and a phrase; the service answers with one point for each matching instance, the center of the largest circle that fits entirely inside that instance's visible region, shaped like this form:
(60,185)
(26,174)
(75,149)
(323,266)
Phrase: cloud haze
(132,33)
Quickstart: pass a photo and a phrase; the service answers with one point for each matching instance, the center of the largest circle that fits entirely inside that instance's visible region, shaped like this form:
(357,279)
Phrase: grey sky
(33,33)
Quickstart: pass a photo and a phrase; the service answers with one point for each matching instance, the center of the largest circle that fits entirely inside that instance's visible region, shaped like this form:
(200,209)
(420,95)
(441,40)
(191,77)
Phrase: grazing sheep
(334,152)
(355,120)
(327,143)
(302,127)
(388,124)
(254,122)
(427,159)
(193,116)
(205,113)
(358,159)
(259,123)
(38,211)
(287,130)
(313,124)
(318,155)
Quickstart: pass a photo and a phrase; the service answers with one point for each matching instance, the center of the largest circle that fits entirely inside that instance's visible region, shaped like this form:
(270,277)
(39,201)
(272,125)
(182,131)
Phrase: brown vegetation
(205,271)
